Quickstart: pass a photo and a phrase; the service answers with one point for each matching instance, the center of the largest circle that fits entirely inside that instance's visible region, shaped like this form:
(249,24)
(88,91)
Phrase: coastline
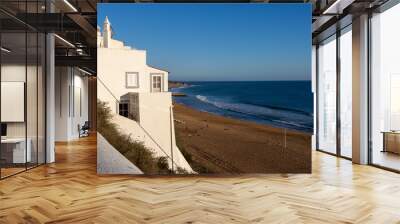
(244,100)
(218,144)
(177,84)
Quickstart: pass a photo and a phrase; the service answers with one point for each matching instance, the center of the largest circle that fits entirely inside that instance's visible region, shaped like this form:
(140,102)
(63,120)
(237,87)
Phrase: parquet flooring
(69,191)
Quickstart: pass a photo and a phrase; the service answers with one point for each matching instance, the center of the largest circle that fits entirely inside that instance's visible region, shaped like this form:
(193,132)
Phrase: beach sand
(221,145)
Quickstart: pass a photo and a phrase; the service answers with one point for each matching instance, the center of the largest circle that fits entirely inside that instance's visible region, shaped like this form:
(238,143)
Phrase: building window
(335,94)
(385,89)
(327,95)
(156,82)
(345,93)
(132,80)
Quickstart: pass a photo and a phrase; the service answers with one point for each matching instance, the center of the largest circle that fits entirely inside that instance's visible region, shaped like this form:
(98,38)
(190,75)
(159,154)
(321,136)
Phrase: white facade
(121,70)
(115,62)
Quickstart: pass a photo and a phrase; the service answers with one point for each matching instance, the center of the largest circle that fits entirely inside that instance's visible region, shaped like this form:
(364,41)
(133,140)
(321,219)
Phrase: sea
(284,104)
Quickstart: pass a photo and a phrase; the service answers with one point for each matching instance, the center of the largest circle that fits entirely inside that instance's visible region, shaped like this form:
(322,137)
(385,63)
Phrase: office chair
(84,130)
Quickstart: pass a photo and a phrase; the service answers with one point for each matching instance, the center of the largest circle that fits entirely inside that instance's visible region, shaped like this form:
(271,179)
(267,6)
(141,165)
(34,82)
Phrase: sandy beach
(221,145)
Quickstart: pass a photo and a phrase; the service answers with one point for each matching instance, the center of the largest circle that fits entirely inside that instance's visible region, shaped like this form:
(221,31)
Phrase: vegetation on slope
(133,150)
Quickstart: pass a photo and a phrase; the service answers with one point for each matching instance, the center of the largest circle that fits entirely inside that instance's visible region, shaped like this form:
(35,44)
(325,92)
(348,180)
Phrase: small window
(132,80)
(156,82)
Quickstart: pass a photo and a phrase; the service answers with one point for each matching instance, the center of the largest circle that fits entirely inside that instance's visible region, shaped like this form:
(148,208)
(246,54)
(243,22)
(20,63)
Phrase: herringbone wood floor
(69,191)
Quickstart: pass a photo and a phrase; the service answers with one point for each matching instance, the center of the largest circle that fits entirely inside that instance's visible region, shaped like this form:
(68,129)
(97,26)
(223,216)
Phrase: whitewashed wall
(156,126)
(148,138)
(157,118)
(112,66)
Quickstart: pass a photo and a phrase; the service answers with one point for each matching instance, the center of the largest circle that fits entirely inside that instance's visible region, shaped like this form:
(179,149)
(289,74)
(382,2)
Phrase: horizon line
(293,80)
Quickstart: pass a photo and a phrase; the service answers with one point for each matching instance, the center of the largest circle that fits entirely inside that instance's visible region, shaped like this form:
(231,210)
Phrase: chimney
(106,33)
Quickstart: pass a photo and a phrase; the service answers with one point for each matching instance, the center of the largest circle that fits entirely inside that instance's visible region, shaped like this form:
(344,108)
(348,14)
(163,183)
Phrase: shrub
(133,150)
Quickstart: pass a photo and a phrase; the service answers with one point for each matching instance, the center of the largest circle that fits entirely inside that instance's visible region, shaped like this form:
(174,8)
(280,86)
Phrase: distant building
(138,91)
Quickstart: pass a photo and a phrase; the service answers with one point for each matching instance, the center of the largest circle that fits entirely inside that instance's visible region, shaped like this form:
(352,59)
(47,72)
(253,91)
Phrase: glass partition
(13,95)
(346,92)
(327,95)
(22,92)
(385,89)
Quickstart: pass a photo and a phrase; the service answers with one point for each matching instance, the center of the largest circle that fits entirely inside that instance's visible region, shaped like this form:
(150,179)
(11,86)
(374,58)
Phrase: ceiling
(75,22)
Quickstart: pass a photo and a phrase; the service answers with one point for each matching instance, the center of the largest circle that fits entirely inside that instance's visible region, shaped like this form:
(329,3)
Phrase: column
(360,90)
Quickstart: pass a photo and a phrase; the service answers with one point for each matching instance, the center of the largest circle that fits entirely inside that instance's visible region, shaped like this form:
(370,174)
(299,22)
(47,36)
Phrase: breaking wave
(281,116)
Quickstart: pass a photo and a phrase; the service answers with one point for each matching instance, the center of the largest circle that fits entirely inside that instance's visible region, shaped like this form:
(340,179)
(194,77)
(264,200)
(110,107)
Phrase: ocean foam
(282,116)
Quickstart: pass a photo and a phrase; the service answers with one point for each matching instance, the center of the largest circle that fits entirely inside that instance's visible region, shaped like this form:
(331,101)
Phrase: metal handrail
(109,91)
(147,133)
(172,160)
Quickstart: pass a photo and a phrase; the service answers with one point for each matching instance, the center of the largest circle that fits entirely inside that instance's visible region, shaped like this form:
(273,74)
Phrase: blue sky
(218,42)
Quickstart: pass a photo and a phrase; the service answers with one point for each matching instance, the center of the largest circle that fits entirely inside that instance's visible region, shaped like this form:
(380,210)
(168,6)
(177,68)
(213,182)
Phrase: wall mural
(204,89)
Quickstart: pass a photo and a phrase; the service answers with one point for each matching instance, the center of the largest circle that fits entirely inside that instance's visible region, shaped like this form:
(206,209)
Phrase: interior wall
(92,106)
(71,102)
(62,113)
(80,109)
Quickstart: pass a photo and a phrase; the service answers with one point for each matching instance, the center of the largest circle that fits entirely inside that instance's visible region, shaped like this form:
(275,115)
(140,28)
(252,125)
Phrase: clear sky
(218,42)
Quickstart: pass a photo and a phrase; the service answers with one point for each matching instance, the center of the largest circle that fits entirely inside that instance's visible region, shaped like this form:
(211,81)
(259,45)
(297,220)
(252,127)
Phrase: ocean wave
(283,116)
(283,108)
(179,88)
(203,98)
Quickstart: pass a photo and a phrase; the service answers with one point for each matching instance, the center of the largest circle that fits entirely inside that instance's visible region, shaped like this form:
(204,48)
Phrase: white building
(123,70)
